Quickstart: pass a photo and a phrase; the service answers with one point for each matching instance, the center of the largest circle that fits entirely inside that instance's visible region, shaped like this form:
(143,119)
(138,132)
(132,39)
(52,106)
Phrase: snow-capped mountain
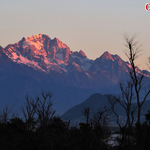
(45,54)
(112,65)
(55,58)
(38,62)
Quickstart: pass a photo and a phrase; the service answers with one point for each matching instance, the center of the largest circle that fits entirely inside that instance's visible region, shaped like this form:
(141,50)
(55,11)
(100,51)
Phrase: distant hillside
(97,101)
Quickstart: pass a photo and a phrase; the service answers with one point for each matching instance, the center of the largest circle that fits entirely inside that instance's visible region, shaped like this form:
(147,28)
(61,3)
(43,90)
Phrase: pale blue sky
(94,26)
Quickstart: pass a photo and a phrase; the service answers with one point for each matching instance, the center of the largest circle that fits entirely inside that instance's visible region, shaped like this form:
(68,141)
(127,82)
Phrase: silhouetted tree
(95,130)
(6,112)
(43,108)
(29,111)
(86,113)
(100,116)
(125,101)
(100,127)
(134,48)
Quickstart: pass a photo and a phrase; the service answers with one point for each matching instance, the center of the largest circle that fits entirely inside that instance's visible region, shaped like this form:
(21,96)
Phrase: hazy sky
(93,26)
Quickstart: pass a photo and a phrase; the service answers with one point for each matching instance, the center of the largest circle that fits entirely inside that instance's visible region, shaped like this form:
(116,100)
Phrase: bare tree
(133,52)
(100,116)
(43,109)
(125,101)
(38,110)
(86,113)
(113,101)
(6,112)
(29,112)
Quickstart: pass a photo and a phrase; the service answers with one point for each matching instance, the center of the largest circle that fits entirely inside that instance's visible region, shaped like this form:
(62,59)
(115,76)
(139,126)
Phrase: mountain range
(39,63)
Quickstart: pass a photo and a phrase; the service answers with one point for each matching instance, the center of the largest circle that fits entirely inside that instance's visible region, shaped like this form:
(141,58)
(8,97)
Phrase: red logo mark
(147,7)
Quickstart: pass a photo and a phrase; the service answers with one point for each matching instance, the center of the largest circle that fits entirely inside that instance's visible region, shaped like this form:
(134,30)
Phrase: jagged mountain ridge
(55,58)
(40,52)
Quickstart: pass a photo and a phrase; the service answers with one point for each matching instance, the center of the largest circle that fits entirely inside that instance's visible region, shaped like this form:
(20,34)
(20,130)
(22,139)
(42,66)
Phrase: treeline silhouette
(41,129)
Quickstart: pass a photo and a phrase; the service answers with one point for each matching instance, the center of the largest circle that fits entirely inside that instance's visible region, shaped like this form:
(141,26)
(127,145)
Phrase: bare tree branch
(133,52)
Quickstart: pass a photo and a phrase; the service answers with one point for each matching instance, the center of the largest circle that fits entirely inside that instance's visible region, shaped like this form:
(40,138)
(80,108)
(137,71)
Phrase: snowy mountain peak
(57,40)
(57,43)
(107,55)
(42,53)
(82,53)
(61,65)
(39,37)
(33,37)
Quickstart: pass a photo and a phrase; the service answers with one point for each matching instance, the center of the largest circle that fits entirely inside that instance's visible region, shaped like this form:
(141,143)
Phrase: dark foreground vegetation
(41,129)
